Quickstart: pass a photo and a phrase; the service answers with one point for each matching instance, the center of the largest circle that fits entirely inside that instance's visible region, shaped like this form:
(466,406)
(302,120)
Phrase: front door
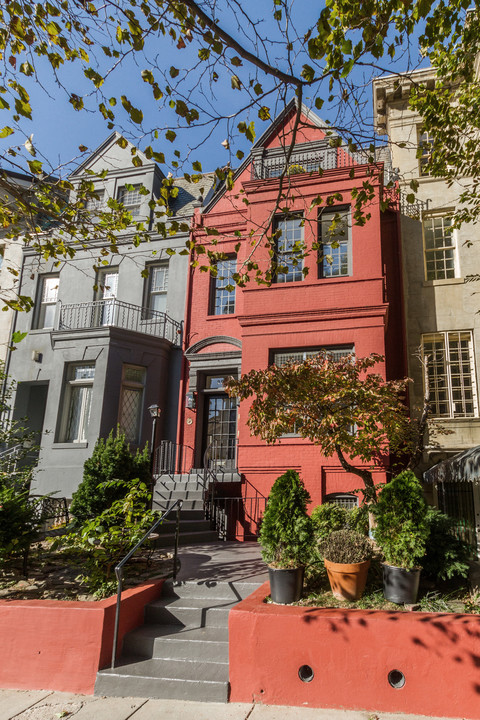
(220,426)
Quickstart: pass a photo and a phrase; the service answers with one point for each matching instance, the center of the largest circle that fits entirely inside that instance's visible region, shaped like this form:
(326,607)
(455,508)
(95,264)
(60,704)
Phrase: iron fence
(115,313)
(456,501)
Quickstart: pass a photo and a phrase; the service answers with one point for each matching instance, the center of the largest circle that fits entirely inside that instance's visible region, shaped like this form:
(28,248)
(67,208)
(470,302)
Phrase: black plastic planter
(399,585)
(286,585)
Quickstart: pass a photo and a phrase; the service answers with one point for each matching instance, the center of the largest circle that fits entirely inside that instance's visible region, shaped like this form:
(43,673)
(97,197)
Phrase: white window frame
(425,149)
(441,261)
(132,200)
(225,270)
(452,384)
(95,204)
(137,386)
(47,301)
(159,291)
(284,255)
(333,242)
(71,384)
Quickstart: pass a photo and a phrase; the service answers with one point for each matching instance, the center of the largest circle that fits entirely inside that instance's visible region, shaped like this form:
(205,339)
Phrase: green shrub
(108,537)
(446,556)
(330,517)
(358,519)
(402,526)
(346,546)
(19,523)
(111,461)
(286,533)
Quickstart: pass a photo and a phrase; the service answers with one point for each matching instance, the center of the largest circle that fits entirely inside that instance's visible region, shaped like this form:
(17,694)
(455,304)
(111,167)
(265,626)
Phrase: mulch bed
(56,575)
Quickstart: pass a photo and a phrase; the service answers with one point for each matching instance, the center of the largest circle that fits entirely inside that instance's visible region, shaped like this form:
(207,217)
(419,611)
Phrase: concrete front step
(190,612)
(166,495)
(213,589)
(185,513)
(172,679)
(186,525)
(170,642)
(186,538)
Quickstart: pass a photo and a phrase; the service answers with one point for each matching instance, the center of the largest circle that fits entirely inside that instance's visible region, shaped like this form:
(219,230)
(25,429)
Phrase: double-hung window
(222,289)
(289,248)
(335,243)
(157,287)
(77,403)
(131,199)
(131,402)
(439,247)
(47,301)
(424,154)
(451,374)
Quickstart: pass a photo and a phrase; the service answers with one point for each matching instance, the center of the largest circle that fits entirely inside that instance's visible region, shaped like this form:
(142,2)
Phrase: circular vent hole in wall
(396,679)
(305,673)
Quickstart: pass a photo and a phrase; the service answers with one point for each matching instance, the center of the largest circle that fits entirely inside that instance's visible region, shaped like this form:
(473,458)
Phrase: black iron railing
(235,517)
(115,313)
(172,458)
(119,568)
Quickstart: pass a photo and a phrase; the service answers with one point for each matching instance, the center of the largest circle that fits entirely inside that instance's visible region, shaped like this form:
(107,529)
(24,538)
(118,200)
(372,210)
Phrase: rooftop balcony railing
(272,164)
(115,313)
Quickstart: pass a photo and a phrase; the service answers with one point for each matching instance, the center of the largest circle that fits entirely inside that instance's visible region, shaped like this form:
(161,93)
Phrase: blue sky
(59,130)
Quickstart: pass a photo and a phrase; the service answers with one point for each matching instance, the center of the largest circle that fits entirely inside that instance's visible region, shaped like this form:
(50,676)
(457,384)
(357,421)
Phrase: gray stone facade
(103,346)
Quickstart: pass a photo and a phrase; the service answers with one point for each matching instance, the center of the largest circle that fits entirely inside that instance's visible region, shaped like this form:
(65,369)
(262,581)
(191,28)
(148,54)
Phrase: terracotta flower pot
(347,580)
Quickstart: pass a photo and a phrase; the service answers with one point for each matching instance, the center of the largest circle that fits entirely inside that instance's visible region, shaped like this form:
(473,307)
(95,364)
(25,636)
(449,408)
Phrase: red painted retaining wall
(351,653)
(60,645)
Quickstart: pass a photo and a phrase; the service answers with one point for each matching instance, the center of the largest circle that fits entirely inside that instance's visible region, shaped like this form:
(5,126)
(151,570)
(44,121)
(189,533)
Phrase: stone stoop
(194,528)
(181,652)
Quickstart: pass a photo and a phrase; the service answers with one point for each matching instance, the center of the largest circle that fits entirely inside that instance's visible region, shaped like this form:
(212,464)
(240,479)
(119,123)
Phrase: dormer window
(131,199)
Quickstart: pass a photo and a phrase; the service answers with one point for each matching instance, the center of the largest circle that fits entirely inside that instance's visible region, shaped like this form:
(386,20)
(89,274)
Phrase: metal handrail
(119,568)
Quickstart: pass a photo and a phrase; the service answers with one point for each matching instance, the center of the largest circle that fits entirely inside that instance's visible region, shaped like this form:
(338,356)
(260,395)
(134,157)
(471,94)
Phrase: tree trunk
(367,477)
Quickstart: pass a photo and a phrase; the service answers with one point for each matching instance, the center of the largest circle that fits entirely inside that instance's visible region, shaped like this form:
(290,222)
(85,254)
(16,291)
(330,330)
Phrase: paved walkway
(45,705)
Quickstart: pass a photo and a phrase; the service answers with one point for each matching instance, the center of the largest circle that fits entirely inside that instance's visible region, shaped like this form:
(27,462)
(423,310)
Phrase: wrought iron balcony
(114,313)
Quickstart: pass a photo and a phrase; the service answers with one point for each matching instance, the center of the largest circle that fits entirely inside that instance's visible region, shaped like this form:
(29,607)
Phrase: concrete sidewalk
(46,705)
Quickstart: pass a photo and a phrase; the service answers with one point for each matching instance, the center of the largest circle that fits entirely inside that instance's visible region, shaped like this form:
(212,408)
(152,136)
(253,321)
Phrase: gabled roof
(216,193)
(103,148)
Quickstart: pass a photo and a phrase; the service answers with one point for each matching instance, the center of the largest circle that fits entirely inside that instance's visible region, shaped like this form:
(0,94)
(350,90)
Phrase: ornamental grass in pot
(286,537)
(346,554)
(402,532)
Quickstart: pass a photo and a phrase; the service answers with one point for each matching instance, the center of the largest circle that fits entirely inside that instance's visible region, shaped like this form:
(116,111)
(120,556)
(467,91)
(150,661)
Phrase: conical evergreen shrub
(286,534)
(111,460)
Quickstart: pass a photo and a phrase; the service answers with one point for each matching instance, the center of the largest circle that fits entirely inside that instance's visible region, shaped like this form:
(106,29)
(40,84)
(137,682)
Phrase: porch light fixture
(155,411)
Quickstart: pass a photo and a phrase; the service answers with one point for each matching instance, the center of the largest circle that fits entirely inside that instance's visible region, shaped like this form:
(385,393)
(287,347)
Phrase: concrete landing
(236,562)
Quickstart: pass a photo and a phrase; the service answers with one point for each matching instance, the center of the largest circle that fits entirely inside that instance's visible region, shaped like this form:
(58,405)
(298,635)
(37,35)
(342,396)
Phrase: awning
(464,467)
